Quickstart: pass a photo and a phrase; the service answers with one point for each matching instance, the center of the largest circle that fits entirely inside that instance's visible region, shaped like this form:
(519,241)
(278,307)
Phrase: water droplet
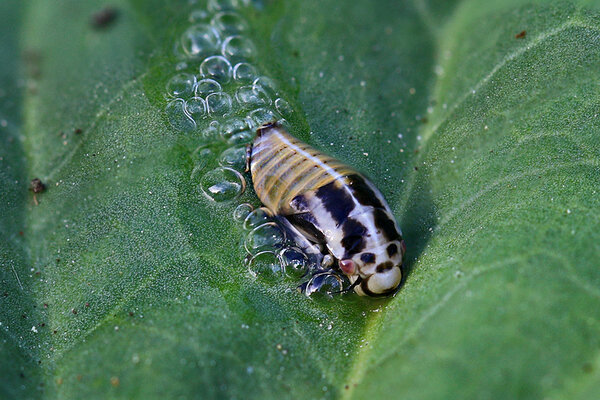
(198,16)
(265,266)
(232,126)
(283,107)
(294,262)
(216,67)
(267,236)
(204,87)
(267,84)
(238,48)
(223,184)
(178,117)
(234,157)
(196,108)
(219,103)
(257,217)
(229,23)
(243,137)
(241,212)
(260,116)
(250,97)
(325,283)
(181,85)
(200,40)
(244,72)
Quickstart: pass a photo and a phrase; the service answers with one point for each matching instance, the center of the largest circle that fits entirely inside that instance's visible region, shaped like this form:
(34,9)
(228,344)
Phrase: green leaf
(121,280)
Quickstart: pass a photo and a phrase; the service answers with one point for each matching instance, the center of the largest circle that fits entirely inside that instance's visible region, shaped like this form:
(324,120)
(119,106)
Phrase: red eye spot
(347,266)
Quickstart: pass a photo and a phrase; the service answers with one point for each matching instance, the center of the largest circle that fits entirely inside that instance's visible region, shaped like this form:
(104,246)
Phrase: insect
(331,211)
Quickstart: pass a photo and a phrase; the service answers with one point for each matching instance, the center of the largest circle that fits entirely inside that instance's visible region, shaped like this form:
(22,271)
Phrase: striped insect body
(330,210)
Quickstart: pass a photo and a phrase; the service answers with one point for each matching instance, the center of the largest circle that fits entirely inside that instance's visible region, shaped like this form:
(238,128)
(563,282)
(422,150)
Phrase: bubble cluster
(217,95)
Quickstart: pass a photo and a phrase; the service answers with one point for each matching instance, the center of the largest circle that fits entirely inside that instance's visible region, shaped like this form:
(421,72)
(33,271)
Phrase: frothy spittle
(222,105)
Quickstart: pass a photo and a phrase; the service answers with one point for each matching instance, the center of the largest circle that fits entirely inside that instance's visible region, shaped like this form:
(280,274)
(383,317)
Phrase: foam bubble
(265,266)
(243,137)
(250,97)
(267,236)
(267,84)
(179,119)
(229,23)
(283,107)
(325,283)
(244,72)
(234,157)
(294,262)
(196,108)
(222,184)
(181,85)
(217,68)
(261,116)
(257,217)
(200,40)
(219,103)
(241,212)
(204,87)
(233,126)
(237,48)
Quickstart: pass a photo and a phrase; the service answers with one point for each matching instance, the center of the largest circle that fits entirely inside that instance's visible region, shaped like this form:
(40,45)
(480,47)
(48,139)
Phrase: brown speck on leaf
(346,387)
(22,375)
(424,120)
(37,186)
(130,313)
(45,305)
(115,381)
(78,131)
(521,35)
(416,168)
(104,18)
(21,233)
(55,332)
(87,304)
(74,311)
(59,381)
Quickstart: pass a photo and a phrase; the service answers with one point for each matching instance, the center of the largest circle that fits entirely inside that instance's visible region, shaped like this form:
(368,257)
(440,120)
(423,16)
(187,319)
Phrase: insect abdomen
(283,167)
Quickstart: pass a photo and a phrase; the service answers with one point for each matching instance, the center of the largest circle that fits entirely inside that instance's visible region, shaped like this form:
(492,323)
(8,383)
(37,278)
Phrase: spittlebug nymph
(333,212)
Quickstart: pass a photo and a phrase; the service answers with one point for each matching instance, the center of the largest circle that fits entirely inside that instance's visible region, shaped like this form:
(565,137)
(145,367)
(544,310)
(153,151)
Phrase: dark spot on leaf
(587,368)
(78,131)
(130,314)
(521,35)
(104,18)
(37,186)
(74,311)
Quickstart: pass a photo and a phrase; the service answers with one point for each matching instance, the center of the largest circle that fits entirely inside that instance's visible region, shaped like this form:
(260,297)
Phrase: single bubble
(181,85)
(201,156)
(232,126)
(198,16)
(257,217)
(179,119)
(237,48)
(283,107)
(241,212)
(250,97)
(200,40)
(267,236)
(211,131)
(204,87)
(243,137)
(294,262)
(219,103)
(267,84)
(234,157)
(222,184)
(217,68)
(265,266)
(196,108)
(229,23)
(325,283)
(244,72)
(261,116)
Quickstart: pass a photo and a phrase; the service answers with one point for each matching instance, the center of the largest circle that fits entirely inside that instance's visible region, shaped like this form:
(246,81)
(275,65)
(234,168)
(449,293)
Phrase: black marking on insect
(329,209)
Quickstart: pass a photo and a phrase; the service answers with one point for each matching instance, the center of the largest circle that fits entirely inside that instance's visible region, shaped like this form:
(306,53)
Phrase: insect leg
(312,250)
(248,157)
